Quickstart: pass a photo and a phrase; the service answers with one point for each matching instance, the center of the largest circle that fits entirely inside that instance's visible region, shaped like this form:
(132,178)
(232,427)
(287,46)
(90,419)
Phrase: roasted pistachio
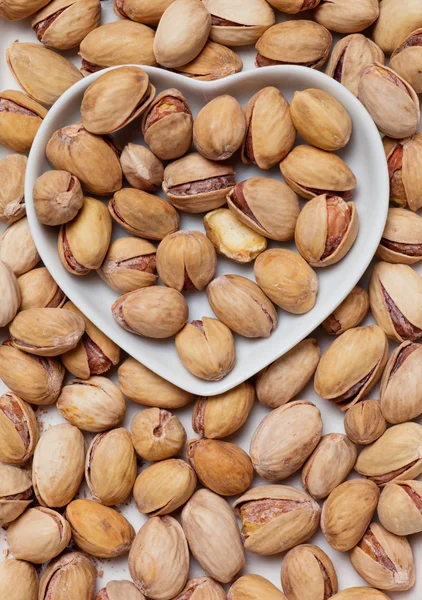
(142,168)
(18,579)
(15,494)
(400,507)
(254,587)
(20,119)
(406,59)
(364,422)
(202,588)
(239,24)
(293,7)
(141,11)
(17,247)
(360,593)
(340,16)
(215,61)
(119,590)
(12,181)
(401,242)
(396,20)
(14,10)
(403,158)
(70,574)
(308,571)
(19,429)
(57,197)
(157,434)
(350,313)
(11,295)
(39,290)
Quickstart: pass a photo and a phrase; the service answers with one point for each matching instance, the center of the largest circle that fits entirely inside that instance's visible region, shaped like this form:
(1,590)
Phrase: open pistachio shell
(397,19)
(70,574)
(215,61)
(11,296)
(20,119)
(350,313)
(15,493)
(12,181)
(406,59)
(254,587)
(401,242)
(307,571)
(239,23)
(404,159)
(19,429)
(141,11)
(39,290)
(399,507)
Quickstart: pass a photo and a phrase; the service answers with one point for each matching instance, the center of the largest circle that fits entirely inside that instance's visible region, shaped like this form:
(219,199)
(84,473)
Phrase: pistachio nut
(360,593)
(157,434)
(384,560)
(390,100)
(93,159)
(351,366)
(95,404)
(396,20)
(347,513)
(320,119)
(57,197)
(308,572)
(285,277)
(18,428)
(219,128)
(221,466)
(110,468)
(115,99)
(143,386)
(340,16)
(142,168)
(215,61)
(401,242)
(20,119)
(239,24)
(63,24)
(202,588)
(99,530)
(394,297)
(400,507)
(186,260)
(43,74)
(276,518)
(17,248)
(223,414)
(292,7)
(38,535)
(39,290)
(12,181)
(35,379)
(15,494)
(159,558)
(406,59)
(364,422)
(295,42)
(283,379)
(195,184)
(181,33)
(312,172)
(154,312)
(71,575)
(164,487)
(18,578)
(103,46)
(14,10)
(141,11)
(213,536)
(142,214)
(254,587)
(119,590)
(206,348)
(403,159)
(270,133)
(11,295)
(395,456)
(284,439)
(329,465)
(350,313)
(350,56)
(241,305)
(232,238)
(267,206)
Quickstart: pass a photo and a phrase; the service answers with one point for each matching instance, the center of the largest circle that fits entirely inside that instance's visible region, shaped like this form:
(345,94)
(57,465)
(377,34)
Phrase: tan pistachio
(406,59)
(202,588)
(57,197)
(293,7)
(308,571)
(18,578)
(403,159)
(396,20)
(157,434)
(360,593)
(19,429)
(14,10)
(400,507)
(119,590)
(364,422)
(70,574)
(350,313)
(341,17)
(20,119)
(142,168)
(215,61)
(15,494)
(17,247)
(254,587)
(141,11)
(11,295)
(12,182)
(39,290)
(401,242)
(239,24)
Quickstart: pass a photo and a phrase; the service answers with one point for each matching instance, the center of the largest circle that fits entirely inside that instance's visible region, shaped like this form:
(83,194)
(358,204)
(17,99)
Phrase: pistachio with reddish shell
(39,290)
(397,19)
(11,295)
(157,434)
(17,247)
(19,429)
(15,493)
(215,61)
(339,16)
(141,11)
(202,588)
(142,168)
(401,242)
(20,119)
(57,197)
(254,587)
(14,10)
(12,180)
(350,313)
(403,159)
(308,571)
(406,59)
(400,507)
(364,422)
(119,590)
(70,574)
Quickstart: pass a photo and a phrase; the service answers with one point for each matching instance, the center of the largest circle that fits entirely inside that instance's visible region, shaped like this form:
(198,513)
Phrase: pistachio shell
(350,313)
(15,494)
(396,20)
(254,587)
(157,434)
(20,119)
(72,573)
(17,248)
(360,593)
(404,158)
(12,180)
(39,290)
(19,429)
(399,507)
(11,295)
(142,168)
(119,590)
(239,23)
(57,197)
(307,570)
(364,422)
(14,10)
(341,17)
(401,242)
(18,578)
(202,588)
(215,61)
(142,11)
(406,59)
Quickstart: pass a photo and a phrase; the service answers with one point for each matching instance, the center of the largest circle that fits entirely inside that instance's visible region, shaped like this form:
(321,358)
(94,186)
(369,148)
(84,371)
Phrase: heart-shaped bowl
(364,154)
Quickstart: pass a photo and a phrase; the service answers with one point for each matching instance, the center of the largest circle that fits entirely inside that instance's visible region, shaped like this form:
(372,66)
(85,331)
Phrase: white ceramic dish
(364,154)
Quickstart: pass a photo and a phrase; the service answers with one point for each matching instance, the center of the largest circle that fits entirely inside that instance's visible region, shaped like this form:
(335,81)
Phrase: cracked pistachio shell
(95,353)
(351,366)
(159,558)
(254,587)
(142,168)
(350,313)
(38,535)
(400,393)
(307,571)
(347,513)
(384,560)
(72,575)
(242,306)
(350,56)
(215,61)
(364,422)
(12,181)
(115,99)
(213,536)
(20,119)
(15,494)
(267,206)
(342,17)
(401,242)
(276,518)
(397,19)
(219,128)
(181,33)
(202,588)
(164,487)
(110,467)
(103,46)
(390,100)
(14,10)
(224,414)
(294,42)
(404,158)
(43,74)
(57,197)
(395,292)
(399,507)
(285,277)
(310,171)
(222,467)
(99,530)
(283,379)
(141,11)
(284,439)
(17,248)
(157,434)
(145,387)
(119,590)
(360,593)
(18,428)
(406,59)
(293,7)
(239,23)
(95,404)
(11,295)
(186,260)
(18,579)
(39,290)
(395,456)
(329,465)
(270,133)
(58,465)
